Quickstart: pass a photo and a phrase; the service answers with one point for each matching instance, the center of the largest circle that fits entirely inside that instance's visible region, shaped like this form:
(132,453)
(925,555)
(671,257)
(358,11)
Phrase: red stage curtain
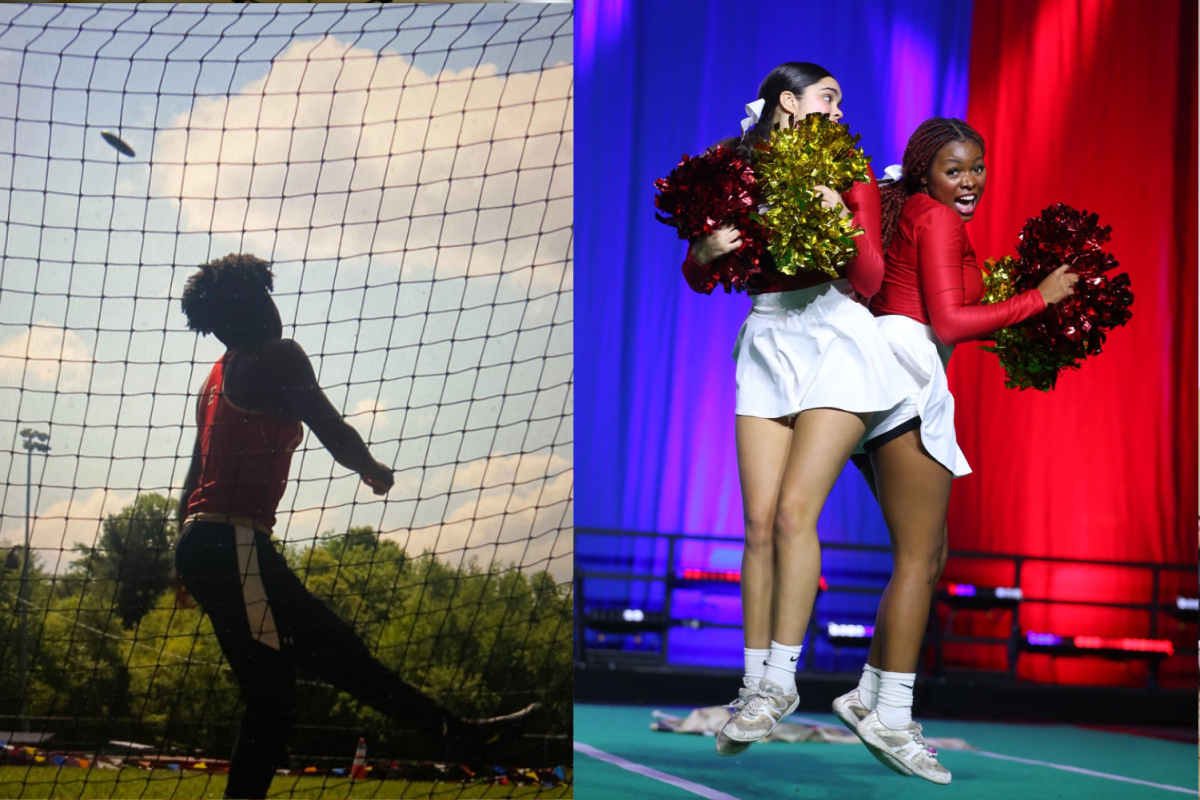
(1090,103)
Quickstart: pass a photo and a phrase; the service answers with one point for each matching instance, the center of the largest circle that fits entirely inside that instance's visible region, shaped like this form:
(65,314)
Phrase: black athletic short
(863,460)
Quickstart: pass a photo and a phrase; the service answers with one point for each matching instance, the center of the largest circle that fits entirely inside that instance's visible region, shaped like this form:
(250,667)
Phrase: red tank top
(244,456)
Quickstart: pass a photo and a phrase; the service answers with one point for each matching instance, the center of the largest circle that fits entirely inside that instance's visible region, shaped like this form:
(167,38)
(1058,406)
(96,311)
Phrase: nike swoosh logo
(794,658)
(906,687)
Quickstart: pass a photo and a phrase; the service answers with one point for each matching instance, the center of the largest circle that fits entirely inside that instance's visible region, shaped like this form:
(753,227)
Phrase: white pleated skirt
(924,361)
(814,348)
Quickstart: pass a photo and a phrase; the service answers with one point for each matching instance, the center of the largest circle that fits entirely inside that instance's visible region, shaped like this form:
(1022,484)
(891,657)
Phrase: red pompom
(707,191)
(1069,331)
(1062,235)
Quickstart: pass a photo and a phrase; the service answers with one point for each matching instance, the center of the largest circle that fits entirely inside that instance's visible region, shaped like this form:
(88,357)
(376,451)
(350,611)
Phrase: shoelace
(743,693)
(754,705)
(920,740)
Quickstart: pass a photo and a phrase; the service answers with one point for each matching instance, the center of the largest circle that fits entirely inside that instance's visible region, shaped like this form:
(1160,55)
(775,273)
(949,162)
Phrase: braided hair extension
(922,148)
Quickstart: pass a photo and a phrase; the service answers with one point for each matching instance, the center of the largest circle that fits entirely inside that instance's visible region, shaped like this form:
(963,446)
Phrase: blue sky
(409,172)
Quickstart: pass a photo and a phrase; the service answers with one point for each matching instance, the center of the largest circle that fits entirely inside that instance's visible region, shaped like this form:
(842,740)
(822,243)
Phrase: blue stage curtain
(657,80)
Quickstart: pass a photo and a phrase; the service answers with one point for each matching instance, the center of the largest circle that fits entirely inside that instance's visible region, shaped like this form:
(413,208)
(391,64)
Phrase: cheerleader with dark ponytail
(929,302)
(794,88)
(812,369)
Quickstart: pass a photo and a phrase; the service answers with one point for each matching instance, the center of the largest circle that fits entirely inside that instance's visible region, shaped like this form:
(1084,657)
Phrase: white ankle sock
(895,699)
(868,686)
(781,665)
(756,662)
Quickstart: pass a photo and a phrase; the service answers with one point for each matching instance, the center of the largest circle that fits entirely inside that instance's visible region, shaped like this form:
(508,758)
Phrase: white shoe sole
(767,733)
(937,781)
(890,760)
(728,747)
(883,753)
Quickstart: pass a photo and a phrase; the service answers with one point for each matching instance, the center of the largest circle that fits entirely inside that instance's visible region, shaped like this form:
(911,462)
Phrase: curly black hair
(216,296)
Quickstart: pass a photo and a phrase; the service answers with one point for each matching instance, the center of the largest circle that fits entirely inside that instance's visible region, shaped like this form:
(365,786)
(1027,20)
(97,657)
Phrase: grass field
(42,783)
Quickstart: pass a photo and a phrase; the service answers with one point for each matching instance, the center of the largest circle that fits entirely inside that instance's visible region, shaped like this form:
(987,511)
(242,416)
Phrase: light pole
(34,440)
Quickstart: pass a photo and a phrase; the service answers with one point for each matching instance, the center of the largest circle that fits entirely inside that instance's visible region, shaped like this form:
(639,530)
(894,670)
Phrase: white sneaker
(902,750)
(850,709)
(768,704)
(725,745)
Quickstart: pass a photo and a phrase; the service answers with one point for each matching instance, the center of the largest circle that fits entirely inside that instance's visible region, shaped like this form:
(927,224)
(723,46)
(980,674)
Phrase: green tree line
(113,654)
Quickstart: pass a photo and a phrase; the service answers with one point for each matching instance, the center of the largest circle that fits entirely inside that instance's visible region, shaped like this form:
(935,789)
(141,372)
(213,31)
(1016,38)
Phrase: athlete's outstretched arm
(284,383)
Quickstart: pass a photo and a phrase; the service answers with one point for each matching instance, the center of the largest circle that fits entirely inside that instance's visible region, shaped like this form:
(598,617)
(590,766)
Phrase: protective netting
(407,170)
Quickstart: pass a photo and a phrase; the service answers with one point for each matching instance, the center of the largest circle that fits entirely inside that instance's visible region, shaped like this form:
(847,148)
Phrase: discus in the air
(118,143)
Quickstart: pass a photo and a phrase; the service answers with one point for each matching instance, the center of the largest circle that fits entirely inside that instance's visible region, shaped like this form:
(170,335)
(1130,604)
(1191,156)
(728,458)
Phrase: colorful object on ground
(802,233)
(358,769)
(706,192)
(1061,337)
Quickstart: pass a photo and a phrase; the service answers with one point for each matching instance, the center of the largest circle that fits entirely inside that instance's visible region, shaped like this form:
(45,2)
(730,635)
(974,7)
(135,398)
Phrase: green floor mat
(849,772)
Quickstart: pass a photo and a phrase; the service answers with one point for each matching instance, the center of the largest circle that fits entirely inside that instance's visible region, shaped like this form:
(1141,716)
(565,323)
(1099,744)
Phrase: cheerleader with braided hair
(929,302)
(812,369)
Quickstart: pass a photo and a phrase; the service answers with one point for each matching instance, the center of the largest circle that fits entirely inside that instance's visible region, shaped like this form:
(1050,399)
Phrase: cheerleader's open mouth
(965,203)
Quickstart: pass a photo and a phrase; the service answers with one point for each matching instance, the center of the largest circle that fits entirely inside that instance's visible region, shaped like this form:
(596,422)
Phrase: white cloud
(369,415)
(501,470)
(57,528)
(340,151)
(514,509)
(45,356)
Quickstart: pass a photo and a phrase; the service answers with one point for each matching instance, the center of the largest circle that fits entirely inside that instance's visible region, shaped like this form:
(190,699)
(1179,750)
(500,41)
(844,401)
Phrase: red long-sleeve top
(865,270)
(932,277)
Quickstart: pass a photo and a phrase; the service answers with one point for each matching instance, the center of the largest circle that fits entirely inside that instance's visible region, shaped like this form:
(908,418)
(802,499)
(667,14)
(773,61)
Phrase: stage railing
(666,569)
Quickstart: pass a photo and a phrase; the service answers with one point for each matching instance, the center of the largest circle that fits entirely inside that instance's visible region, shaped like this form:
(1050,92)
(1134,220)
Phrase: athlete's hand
(723,241)
(1058,285)
(379,478)
(830,198)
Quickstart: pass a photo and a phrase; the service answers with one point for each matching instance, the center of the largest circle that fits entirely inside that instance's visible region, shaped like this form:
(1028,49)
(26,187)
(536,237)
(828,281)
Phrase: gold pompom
(801,233)
(999,281)
(1027,362)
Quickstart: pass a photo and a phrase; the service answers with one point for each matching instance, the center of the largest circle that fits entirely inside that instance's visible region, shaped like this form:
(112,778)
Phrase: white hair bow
(895,172)
(755,110)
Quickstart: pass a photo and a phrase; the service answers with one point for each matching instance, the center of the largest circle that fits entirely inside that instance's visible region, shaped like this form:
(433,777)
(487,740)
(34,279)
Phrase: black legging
(308,634)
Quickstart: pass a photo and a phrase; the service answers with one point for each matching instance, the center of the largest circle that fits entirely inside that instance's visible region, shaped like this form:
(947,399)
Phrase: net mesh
(407,170)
